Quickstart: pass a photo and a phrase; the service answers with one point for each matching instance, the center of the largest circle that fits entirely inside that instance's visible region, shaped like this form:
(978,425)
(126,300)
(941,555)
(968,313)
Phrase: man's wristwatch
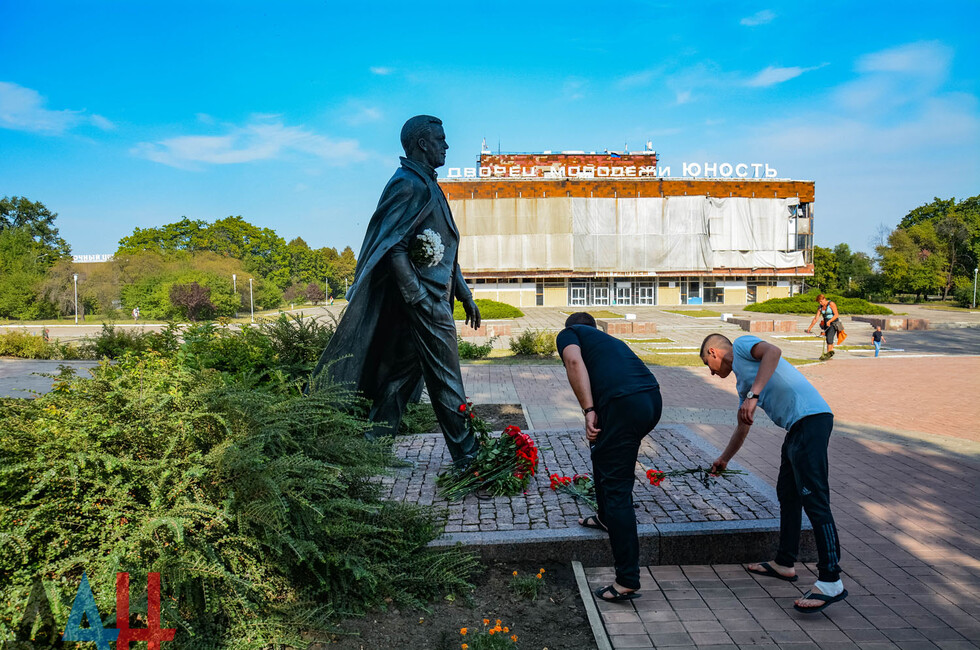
(751,395)
(588,410)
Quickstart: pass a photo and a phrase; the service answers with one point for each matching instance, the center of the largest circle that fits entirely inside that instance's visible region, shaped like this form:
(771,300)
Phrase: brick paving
(679,500)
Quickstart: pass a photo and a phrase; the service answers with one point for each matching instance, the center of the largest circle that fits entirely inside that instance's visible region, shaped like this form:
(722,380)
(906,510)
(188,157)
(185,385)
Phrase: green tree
(185,235)
(949,230)
(910,262)
(23,263)
(825,269)
(38,222)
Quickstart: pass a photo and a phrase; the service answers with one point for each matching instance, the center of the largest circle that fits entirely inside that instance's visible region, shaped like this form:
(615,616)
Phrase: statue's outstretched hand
(472,313)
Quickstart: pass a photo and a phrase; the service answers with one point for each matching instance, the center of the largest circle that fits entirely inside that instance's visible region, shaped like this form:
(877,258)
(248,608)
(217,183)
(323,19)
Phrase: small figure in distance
(830,324)
(877,338)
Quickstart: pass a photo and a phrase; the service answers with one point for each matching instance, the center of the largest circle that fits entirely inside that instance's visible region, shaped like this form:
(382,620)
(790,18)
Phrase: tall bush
(256,504)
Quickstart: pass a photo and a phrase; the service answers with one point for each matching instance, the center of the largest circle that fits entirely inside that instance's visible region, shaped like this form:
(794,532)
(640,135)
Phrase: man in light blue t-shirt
(763,378)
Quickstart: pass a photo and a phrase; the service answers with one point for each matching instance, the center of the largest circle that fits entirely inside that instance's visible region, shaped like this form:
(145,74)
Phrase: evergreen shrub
(539,343)
(469,351)
(806,304)
(256,502)
(489,310)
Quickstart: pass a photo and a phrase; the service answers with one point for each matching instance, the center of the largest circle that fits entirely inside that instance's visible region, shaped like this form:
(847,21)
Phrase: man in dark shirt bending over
(621,401)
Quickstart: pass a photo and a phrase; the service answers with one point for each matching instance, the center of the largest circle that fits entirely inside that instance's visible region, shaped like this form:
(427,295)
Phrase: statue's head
(424,139)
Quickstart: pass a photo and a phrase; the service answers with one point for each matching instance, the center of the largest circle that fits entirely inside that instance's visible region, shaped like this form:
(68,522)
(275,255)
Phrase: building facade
(587,229)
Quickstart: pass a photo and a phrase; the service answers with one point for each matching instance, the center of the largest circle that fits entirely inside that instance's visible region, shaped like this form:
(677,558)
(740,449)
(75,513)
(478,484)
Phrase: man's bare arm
(734,444)
(578,379)
(768,356)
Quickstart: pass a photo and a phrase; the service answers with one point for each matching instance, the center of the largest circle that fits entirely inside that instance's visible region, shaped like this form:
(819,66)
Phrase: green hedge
(257,502)
(806,304)
(489,309)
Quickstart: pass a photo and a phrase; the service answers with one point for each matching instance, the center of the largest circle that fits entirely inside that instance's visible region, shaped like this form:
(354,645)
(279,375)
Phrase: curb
(595,619)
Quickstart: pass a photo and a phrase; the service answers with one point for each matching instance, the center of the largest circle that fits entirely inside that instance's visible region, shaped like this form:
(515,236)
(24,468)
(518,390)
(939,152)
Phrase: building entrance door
(577,296)
(644,295)
(600,295)
(624,294)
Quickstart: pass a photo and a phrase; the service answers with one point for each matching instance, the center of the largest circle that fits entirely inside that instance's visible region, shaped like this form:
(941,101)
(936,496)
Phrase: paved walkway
(905,473)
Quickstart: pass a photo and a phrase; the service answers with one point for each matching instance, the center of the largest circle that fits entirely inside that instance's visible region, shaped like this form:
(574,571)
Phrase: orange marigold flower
(540,570)
(462,631)
(506,630)
(492,631)
(498,621)
(515,574)
(464,647)
(513,637)
(486,621)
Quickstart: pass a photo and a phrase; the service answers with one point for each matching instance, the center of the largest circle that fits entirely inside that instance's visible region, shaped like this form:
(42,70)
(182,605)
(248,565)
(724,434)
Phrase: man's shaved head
(715,340)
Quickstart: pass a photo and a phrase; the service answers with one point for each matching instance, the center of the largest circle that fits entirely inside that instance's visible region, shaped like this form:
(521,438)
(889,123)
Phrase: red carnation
(462,407)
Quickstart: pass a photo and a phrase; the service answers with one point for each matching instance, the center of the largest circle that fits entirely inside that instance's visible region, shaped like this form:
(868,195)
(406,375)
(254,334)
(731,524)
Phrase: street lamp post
(75,276)
(975,287)
(251,301)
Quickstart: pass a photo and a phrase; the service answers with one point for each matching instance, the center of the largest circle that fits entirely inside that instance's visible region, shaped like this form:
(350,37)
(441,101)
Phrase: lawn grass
(598,313)
(641,341)
(695,313)
(965,310)
(812,339)
(693,360)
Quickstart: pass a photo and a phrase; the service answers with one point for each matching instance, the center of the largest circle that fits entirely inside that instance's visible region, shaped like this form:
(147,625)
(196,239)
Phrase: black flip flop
(617,597)
(827,601)
(592,521)
(770,572)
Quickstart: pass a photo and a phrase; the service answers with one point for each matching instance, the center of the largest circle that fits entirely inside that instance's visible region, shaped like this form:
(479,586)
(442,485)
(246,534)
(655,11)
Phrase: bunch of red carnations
(703,474)
(503,466)
(579,486)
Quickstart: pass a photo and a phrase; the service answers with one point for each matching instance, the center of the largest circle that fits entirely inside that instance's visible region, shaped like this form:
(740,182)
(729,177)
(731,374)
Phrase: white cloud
(896,77)
(263,138)
(922,59)
(773,75)
(759,18)
(381,70)
(357,114)
(683,97)
(573,88)
(636,80)
(23,109)
(102,122)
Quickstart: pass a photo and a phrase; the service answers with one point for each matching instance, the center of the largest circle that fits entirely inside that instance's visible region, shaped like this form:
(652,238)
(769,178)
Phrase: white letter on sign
(744,170)
(768,174)
(469,172)
(664,172)
(757,168)
(711,168)
(485,172)
(454,172)
(692,169)
(725,169)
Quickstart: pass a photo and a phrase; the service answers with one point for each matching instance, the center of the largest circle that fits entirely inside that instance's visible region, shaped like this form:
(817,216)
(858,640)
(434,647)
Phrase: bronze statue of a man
(398,326)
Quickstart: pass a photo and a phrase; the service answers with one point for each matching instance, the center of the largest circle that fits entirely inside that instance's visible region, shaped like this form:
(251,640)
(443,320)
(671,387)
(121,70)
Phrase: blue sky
(125,114)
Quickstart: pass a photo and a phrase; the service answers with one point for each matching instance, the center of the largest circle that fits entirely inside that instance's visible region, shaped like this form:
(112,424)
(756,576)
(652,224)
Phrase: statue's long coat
(351,357)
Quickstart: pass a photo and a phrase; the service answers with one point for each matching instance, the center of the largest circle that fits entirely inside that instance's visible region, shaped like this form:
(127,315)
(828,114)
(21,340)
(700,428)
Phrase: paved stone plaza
(565,452)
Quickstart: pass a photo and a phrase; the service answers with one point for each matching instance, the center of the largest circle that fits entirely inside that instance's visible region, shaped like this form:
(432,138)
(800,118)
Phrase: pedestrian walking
(620,399)
(877,338)
(830,324)
(763,378)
